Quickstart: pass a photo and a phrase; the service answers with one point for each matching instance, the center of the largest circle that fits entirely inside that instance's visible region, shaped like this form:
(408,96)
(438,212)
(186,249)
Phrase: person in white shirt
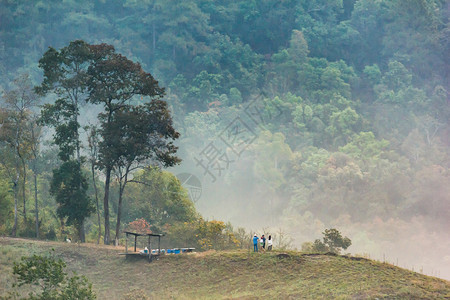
(269,243)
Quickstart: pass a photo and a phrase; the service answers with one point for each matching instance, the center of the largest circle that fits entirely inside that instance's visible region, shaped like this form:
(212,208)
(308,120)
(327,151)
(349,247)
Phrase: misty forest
(208,121)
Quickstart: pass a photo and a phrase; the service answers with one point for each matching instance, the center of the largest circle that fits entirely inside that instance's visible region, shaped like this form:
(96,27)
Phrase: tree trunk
(96,203)
(81,233)
(24,191)
(16,185)
(119,214)
(75,120)
(34,149)
(14,229)
(63,231)
(36,210)
(106,205)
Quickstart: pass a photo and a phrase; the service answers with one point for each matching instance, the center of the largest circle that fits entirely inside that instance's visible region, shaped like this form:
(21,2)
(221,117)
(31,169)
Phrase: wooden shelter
(150,253)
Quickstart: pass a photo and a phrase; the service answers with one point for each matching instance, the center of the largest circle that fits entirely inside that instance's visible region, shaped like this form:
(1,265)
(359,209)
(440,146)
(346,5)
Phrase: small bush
(48,274)
(332,242)
(308,247)
(203,235)
(50,234)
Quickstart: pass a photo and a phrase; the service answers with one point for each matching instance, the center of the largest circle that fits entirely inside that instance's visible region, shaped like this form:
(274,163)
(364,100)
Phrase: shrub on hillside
(47,273)
(203,235)
(332,242)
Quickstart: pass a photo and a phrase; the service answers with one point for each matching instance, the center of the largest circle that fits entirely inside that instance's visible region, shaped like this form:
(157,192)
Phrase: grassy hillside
(236,274)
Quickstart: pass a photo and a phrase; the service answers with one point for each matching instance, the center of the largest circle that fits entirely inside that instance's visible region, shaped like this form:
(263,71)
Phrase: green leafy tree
(65,75)
(371,78)
(93,141)
(373,74)
(159,197)
(332,242)
(368,20)
(319,246)
(205,89)
(204,235)
(286,64)
(181,24)
(298,47)
(177,32)
(69,187)
(16,118)
(423,20)
(47,273)
(322,80)
(239,66)
(6,199)
(235,96)
(114,81)
(318,20)
(343,124)
(397,76)
(366,148)
(265,25)
(147,139)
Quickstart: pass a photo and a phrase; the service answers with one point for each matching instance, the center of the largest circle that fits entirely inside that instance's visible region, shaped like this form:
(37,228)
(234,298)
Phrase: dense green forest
(294,115)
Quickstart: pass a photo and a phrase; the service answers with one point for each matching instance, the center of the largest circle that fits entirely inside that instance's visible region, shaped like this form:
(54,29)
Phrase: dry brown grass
(228,275)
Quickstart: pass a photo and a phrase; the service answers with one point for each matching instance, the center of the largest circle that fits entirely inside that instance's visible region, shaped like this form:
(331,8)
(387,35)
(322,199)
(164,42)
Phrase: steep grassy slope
(237,274)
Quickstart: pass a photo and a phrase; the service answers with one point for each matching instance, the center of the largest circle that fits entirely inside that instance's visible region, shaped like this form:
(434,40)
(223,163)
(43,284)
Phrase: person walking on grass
(269,243)
(255,243)
(263,243)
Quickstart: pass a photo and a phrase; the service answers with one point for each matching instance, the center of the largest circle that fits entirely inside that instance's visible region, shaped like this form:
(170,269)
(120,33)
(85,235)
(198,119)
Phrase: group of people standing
(262,243)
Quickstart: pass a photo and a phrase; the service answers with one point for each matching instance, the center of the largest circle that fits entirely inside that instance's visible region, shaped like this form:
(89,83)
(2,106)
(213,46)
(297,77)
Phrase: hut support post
(126,243)
(159,245)
(135,242)
(149,249)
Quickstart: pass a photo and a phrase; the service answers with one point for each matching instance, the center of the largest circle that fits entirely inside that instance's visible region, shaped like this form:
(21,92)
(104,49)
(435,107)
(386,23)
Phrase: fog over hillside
(294,116)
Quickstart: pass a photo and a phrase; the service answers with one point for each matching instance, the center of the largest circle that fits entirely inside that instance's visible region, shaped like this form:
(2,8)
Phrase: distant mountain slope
(236,274)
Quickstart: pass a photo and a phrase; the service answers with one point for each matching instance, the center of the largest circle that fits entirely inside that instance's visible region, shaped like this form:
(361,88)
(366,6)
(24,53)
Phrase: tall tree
(11,168)
(35,140)
(65,75)
(93,141)
(114,81)
(6,199)
(17,115)
(143,135)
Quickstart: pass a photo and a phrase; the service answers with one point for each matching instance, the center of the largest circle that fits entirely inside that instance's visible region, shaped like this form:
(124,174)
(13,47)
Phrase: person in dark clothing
(263,242)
